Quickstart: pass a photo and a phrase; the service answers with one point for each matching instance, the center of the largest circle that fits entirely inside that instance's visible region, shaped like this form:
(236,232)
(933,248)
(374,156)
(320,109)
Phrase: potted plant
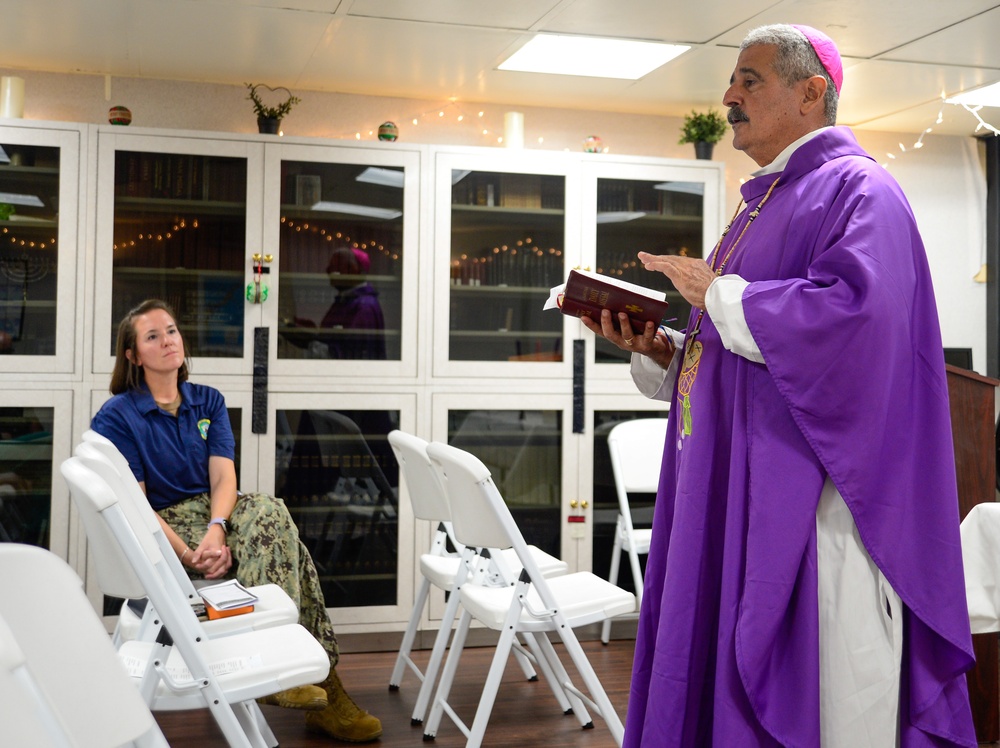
(704,129)
(269,117)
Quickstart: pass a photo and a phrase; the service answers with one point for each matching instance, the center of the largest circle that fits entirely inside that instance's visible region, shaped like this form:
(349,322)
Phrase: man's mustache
(736,115)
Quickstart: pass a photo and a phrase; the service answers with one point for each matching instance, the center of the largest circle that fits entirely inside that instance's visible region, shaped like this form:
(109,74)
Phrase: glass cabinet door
(344,229)
(503,237)
(523,440)
(328,458)
(39,188)
(35,432)
(655,209)
(178,220)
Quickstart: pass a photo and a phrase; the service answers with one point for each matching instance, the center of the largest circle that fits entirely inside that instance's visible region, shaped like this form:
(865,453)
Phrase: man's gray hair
(796,60)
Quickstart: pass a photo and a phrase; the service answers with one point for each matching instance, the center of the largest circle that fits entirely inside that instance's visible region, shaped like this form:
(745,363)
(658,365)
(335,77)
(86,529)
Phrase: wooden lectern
(974,433)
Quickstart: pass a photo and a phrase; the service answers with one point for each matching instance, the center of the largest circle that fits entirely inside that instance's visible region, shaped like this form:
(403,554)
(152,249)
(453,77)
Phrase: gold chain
(732,248)
(715,253)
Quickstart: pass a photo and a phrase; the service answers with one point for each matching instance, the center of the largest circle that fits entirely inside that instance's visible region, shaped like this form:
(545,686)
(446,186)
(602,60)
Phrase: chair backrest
(479,515)
(25,715)
(636,449)
(115,575)
(108,449)
(426,492)
(102,454)
(67,653)
(113,524)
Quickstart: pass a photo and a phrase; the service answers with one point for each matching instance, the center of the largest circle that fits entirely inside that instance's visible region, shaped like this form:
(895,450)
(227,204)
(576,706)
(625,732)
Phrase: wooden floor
(525,714)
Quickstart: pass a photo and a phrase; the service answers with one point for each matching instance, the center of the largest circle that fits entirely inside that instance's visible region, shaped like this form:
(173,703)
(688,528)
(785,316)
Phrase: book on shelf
(586,294)
(229,598)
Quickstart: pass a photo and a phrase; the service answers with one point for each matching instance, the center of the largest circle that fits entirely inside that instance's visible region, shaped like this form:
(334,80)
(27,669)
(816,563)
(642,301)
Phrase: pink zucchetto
(827,52)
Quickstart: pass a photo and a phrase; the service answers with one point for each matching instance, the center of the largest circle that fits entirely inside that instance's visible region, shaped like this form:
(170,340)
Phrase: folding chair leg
(265,729)
(616,555)
(561,677)
(434,664)
(447,678)
(593,684)
(633,558)
(248,722)
(403,659)
(525,662)
(492,684)
(550,677)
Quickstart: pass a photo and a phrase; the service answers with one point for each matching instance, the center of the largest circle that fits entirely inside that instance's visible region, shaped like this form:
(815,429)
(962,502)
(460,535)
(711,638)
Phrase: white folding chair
(187,668)
(439,567)
(534,605)
(273,607)
(61,683)
(636,449)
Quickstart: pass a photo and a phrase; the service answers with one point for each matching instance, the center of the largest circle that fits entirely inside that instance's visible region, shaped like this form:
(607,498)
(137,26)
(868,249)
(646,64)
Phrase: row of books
(531,267)
(627,197)
(510,191)
(180,177)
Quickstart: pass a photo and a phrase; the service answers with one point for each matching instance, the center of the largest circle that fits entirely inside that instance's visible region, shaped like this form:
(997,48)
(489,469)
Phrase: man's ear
(813,93)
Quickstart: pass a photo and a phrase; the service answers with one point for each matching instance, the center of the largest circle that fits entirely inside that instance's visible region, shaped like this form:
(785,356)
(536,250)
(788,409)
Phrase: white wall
(944,180)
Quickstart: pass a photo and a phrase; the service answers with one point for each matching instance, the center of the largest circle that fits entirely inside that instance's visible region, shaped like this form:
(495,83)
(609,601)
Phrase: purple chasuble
(841,305)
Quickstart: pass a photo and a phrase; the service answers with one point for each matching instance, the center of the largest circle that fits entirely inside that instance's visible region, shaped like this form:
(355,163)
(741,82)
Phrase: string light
(974,111)
(450,112)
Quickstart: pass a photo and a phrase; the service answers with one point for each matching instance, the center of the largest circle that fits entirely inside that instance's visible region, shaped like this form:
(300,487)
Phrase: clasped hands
(211,558)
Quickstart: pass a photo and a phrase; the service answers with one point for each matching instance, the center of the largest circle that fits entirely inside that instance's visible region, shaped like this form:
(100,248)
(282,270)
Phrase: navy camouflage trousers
(266,550)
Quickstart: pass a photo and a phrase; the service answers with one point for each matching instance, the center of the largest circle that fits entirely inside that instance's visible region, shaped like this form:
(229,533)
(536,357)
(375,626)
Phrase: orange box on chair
(213,614)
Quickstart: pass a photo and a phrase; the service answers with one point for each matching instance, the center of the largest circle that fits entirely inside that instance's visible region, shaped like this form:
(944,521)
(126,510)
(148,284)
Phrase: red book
(586,294)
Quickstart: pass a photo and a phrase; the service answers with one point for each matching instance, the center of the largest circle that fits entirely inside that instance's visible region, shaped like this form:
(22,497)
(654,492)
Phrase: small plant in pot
(269,116)
(704,129)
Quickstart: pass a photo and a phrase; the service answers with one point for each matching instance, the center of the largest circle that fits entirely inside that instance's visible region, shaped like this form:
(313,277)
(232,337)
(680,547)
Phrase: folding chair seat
(534,605)
(636,449)
(186,667)
(61,683)
(440,566)
(273,607)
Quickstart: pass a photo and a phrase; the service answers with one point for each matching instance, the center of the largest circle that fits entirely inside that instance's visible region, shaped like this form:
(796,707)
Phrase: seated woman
(180,446)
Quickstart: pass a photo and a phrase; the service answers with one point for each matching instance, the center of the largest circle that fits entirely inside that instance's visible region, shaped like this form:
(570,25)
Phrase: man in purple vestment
(804,585)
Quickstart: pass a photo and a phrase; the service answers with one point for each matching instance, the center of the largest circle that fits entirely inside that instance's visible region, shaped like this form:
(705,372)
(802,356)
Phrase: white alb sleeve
(650,379)
(724,304)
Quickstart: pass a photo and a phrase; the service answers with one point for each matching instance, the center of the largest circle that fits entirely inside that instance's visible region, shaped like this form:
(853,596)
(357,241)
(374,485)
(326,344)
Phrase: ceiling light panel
(593,57)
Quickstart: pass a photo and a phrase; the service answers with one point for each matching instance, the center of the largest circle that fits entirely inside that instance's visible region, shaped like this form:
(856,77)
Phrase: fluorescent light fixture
(618,216)
(17,199)
(368,211)
(384,177)
(594,57)
(689,188)
(985,96)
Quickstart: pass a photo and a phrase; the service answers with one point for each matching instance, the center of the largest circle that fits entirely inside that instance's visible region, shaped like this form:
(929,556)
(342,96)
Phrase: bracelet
(184,554)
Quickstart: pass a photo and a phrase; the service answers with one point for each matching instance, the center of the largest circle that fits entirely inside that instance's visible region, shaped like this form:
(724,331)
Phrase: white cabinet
(334,291)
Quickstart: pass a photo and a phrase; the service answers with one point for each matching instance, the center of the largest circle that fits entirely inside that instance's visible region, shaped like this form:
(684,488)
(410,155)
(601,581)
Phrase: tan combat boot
(311,698)
(342,719)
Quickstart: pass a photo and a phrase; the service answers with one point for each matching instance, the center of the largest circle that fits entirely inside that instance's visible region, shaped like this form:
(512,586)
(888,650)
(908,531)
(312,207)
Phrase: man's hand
(650,342)
(691,276)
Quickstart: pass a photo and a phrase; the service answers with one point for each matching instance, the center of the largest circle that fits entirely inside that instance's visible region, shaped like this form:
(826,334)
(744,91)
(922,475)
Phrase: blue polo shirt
(169,454)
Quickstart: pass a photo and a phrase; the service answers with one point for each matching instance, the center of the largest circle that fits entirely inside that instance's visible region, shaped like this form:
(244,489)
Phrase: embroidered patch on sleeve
(203,425)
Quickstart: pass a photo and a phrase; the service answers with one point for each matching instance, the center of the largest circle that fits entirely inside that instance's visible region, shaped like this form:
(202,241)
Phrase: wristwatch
(220,521)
